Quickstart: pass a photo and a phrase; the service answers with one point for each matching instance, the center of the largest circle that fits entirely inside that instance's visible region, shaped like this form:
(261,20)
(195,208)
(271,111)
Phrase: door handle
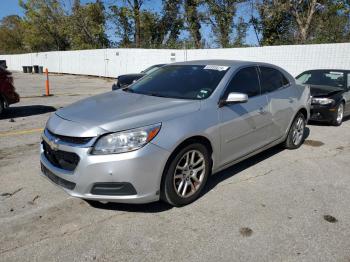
(291,100)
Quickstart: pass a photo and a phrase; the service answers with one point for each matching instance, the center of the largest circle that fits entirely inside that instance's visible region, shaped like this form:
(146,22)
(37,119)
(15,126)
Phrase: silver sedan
(163,136)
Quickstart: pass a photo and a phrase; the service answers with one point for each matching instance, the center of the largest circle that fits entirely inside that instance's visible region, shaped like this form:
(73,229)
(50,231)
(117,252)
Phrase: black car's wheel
(295,137)
(338,116)
(186,175)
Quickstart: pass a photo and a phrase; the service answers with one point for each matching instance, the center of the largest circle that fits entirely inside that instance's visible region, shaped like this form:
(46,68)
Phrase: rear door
(281,97)
(244,126)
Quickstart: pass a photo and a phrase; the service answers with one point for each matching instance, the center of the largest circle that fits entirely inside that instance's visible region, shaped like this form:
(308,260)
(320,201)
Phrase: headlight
(322,101)
(125,141)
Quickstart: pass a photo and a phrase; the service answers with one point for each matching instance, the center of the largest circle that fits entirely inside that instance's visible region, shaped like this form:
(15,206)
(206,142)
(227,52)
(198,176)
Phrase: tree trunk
(137,6)
(303,21)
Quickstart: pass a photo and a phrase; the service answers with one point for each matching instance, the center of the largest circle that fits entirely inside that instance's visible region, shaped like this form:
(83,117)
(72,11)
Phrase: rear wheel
(338,117)
(296,132)
(186,175)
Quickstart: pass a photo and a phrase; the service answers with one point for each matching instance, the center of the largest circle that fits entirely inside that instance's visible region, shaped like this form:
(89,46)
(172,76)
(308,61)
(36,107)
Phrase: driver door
(244,126)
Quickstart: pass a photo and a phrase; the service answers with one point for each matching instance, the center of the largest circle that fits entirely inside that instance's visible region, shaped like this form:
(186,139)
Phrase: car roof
(235,64)
(222,62)
(327,69)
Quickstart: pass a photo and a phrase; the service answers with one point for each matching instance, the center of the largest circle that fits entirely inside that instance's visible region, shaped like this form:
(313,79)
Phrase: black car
(330,91)
(3,64)
(128,79)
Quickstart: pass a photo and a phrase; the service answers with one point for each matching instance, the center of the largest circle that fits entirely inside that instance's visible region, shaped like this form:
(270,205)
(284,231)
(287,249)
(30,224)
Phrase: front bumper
(324,113)
(142,169)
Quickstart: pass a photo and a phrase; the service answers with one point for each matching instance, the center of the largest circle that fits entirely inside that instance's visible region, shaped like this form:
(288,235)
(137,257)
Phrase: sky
(11,7)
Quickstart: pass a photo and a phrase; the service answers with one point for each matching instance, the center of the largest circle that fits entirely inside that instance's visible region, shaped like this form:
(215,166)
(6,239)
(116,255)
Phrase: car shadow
(23,111)
(213,181)
(155,207)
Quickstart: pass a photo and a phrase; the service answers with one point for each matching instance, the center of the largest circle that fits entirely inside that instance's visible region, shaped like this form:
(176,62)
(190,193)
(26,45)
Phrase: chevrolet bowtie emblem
(54,144)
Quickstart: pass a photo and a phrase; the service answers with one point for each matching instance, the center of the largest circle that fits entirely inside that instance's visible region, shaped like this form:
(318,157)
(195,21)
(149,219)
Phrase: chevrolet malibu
(163,136)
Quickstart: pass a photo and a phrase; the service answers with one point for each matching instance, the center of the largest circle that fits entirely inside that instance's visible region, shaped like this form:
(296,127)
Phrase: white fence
(113,62)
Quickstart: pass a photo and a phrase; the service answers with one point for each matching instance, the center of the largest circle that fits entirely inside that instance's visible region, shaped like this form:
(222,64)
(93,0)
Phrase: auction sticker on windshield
(216,67)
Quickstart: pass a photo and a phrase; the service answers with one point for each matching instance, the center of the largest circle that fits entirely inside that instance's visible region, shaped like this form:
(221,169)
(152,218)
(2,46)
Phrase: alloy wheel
(189,173)
(298,131)
(340,113)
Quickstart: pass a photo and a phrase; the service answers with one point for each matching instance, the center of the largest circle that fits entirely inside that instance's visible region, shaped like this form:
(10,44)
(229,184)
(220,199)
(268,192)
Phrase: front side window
(180,81)
(322,78)
(245,81)
(271,79)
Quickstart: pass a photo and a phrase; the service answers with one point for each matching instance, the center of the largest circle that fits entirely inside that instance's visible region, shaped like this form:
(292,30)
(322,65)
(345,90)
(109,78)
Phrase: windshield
(322,77)
(151,69)
(181,81)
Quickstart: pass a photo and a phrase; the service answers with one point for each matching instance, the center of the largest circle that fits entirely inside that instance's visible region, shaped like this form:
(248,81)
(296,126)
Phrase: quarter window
(246,81)
(271,79)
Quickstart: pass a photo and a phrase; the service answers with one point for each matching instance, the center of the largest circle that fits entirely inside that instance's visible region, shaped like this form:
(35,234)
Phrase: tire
(2,106)
(185,177)
(339,115)
(295,137)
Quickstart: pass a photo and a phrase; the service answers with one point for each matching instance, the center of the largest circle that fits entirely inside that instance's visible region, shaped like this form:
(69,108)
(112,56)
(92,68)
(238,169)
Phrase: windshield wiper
(154,94)
(127,89)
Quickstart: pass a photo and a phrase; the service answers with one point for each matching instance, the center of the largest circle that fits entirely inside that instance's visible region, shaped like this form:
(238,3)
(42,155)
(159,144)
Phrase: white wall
(113,62)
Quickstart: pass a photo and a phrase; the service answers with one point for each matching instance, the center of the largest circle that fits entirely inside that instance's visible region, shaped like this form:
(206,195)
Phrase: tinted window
(181,81)
(349,80)
(271,79)
(245,81)
(151,69)
(323,78)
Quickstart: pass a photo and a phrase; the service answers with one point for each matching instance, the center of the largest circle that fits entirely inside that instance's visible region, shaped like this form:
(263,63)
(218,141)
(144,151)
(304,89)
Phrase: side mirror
(234,98)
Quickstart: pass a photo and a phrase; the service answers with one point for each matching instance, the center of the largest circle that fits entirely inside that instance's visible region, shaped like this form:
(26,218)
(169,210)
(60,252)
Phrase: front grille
(71,139)
(61,159)
(57,180)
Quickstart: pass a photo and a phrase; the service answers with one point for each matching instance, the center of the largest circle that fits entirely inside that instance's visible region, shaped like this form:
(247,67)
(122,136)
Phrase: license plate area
(56,179)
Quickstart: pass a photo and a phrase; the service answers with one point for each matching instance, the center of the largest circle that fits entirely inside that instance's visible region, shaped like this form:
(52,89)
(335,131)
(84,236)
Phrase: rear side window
(245,81)
(271,79)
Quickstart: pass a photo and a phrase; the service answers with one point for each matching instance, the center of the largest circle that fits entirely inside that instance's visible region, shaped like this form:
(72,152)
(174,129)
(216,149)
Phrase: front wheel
(338,117)
(186,175)
(295,137)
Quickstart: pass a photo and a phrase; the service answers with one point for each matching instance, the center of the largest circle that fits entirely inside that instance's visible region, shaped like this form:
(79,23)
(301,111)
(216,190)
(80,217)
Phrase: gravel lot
(278,206)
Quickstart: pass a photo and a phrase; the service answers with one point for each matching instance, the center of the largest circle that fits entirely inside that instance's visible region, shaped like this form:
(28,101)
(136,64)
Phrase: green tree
(302,22)
(45,25)
(193,19)
(132,11)
(241,33)
(121,18)
(11,35)
(275,23)
(303,13)
(221,17)
(323,30)
(170,24)
(87,25)
(156,30)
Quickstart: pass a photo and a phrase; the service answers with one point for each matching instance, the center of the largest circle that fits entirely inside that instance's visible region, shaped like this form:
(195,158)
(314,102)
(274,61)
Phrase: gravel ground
(280,205)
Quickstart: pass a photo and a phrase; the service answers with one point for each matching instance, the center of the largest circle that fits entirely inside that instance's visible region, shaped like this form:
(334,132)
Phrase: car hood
(119,110)
(324,91)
